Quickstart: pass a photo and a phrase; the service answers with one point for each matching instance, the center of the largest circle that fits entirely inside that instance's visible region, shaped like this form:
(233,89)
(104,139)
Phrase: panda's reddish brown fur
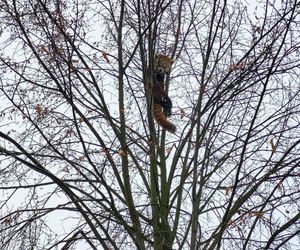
(161,118)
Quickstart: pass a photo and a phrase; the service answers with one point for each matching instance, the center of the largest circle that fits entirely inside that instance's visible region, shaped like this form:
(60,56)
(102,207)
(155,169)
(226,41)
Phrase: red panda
(162,104)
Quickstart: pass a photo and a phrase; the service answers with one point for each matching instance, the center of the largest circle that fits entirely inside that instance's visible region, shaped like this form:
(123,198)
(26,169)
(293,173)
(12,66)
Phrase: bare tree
(83,164)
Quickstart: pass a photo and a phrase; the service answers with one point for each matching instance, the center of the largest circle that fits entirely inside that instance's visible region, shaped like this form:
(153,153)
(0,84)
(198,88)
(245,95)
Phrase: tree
(83,164)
